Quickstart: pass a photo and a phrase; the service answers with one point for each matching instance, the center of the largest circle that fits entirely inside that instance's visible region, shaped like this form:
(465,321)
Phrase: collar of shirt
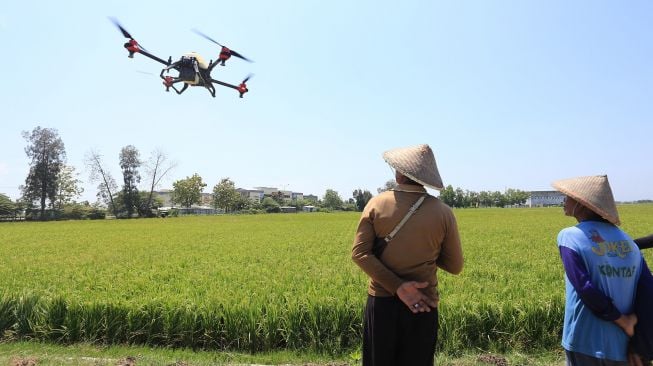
(409,188)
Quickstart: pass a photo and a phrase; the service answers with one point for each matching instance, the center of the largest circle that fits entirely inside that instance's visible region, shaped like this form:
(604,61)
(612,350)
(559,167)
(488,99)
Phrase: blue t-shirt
(613,262)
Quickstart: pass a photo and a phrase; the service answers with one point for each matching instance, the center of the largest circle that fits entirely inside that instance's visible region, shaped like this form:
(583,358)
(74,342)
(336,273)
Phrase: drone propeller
(247,78)
(122,29)
(207,37)
(125,33)
(231,52)
(234,53)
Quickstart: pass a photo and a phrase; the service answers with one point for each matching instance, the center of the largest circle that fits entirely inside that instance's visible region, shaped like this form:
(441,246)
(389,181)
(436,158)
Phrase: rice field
(267,282)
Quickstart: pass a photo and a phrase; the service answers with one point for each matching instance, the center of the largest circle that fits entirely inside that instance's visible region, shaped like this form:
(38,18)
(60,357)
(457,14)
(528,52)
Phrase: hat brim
(604,214)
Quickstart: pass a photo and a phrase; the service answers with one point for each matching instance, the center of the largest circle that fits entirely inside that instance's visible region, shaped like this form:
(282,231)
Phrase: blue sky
(509,94)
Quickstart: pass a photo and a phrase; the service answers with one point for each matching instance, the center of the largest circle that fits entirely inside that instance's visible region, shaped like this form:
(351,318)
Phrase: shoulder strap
(408,215)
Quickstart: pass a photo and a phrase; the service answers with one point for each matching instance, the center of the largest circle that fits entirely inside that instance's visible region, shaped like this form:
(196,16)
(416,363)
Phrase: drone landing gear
(169,81)
(211,89)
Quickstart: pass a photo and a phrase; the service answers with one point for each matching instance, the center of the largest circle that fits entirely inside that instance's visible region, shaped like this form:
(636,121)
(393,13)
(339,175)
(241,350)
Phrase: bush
(97,213)
(74,212)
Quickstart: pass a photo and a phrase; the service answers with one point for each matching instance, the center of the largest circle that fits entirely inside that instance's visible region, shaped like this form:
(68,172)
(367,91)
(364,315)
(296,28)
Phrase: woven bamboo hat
(416,163)
(592,192)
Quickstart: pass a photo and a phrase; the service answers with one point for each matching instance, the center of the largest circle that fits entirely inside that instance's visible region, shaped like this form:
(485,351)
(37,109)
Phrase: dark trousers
(579,359)
(394,336)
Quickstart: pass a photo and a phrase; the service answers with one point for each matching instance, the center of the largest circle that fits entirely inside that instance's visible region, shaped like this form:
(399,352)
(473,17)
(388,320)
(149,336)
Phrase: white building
(545,198)
(254,195)
(267,191)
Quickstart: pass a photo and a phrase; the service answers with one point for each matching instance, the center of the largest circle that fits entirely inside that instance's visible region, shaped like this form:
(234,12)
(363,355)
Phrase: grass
(82,354)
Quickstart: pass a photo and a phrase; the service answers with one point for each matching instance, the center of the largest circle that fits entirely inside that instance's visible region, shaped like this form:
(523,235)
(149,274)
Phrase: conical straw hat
(592,192)
(416,163)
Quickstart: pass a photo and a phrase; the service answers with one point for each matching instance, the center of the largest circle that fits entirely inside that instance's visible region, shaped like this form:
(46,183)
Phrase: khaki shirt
(428,240)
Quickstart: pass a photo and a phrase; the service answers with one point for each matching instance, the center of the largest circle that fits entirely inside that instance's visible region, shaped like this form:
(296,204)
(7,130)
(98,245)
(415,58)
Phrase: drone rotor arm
(224,84)
(151,56)
(242,88)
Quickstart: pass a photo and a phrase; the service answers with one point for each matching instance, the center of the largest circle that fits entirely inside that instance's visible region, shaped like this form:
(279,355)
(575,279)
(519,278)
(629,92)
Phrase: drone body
(192,68)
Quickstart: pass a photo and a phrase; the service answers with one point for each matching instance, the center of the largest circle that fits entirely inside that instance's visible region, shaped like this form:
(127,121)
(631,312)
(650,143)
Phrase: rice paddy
(266,282)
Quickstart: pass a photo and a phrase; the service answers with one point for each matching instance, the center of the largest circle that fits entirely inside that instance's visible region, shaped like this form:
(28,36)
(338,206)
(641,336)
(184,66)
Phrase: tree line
(459,198)
(463,199)
(52,186)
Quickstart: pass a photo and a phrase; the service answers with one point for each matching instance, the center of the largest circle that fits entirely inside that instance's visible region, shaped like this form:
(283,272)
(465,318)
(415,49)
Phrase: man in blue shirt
(602,266)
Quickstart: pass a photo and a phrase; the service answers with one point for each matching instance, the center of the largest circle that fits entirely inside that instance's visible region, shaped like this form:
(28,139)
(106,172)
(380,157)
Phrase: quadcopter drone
(192,68)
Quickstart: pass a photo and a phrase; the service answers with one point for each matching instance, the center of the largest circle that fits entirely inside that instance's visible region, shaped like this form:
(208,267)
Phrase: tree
(515,196)
(225,195)
(107,187)
(362,198)
(243,203)
(460,198)
(299,203)
(47,153)
(69,187)
(147,204)
(498,199)
(270,205)
(129,163)
(332,200)
(156,168)
(7,206)
(188,191)
(390,184)
(473,198)
(278,197)
(448,196)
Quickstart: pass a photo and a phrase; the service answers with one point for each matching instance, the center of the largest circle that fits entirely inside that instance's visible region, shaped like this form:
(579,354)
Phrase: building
(165,195)
(309,208)
(254,195)
(267,191)
(311,198)
(545,198)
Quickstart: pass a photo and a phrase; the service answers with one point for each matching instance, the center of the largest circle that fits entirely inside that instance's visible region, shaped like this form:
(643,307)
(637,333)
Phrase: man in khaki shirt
(401,321)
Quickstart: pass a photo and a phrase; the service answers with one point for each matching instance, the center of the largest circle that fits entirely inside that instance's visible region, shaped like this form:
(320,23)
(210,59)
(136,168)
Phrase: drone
(192,68)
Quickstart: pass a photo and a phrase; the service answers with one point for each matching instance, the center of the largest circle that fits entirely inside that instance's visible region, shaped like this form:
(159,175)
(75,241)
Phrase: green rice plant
(56,312)
(72,327)
(7,314)
(267,282)
(29,314)
(183,327)
(115,320)
(145,325)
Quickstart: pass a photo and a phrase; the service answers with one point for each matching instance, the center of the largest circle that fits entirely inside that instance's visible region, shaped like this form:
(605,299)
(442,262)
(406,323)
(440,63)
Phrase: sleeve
(361,253)
(642,341)
(600,304)
(645,278)
(645,242)
(451,255)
